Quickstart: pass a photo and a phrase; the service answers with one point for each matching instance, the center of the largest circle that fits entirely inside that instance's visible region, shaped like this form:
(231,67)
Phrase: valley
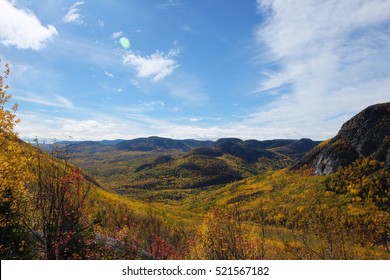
(162,166)
(227,199)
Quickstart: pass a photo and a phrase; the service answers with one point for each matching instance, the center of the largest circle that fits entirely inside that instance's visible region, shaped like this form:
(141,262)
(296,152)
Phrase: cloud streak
(73,15)
(116,35)
(58,101)
(22,29)
(108,74)
(170,4)
(330,59)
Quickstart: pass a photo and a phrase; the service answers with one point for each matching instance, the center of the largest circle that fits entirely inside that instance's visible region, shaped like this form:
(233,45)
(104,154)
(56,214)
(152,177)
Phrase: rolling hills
(154,162)
(187,199)
(297,212)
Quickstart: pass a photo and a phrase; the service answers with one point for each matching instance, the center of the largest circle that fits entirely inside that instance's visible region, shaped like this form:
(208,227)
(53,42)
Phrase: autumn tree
(364,180)
(222,236)
(321,233)
(13,175)
(59,197)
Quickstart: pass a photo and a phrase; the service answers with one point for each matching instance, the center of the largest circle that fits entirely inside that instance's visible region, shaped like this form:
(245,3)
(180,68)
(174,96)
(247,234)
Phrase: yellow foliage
(13,161)
(13,176)
(223,236)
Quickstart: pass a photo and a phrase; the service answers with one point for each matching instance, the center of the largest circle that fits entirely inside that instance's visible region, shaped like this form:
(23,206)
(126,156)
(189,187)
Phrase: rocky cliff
(366,134)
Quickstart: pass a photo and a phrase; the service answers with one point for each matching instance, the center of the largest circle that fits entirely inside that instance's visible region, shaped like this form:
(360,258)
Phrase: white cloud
(98,127)
(132,124)
(116,35)
(49,128)
(157,66)
(108,74)
(331,60)
(128,124)
(22,29)
(101,23)
(73,15)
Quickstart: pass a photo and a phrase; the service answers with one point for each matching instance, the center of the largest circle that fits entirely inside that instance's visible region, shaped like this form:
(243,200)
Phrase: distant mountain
(79,146)
(111,142)
(296,148)
(248,150)
(102,142)
(365,135)
(241,151)
(267,144)
(222,141)
(205,151)
(252,150)
(155,143)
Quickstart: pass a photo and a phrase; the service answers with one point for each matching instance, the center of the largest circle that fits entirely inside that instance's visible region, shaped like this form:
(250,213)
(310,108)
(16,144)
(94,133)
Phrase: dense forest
(159,198)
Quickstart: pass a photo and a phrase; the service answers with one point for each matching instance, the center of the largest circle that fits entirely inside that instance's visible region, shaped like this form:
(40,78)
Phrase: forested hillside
(160,198)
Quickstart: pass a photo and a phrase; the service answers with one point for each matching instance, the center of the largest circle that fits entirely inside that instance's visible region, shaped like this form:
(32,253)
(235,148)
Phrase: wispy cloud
(142,107)
(73,15)
(157,66)
(108,74)
(330,59)
(187,87)
(21,28)
(135,83)
(116,35)
(96,53)
(187,28)
(57,101)
(169,4)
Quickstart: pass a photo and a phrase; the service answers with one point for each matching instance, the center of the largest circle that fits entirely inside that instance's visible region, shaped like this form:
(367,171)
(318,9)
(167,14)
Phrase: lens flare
(125,42)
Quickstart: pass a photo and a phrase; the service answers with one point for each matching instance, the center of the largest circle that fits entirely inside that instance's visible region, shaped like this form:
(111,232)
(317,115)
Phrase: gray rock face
(367,131)
(366,134)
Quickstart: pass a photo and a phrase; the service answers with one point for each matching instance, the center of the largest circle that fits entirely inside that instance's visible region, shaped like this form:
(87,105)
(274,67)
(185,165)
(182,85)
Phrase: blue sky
(201,69)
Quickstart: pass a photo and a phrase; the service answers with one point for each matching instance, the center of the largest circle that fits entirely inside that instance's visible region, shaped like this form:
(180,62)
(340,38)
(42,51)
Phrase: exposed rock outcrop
(366,134)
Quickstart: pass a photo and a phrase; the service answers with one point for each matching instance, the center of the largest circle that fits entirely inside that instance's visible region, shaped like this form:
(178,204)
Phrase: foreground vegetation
(51,209)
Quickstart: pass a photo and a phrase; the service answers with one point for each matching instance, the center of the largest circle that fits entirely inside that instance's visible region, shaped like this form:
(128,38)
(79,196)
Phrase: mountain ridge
(154,143)
(367,134)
